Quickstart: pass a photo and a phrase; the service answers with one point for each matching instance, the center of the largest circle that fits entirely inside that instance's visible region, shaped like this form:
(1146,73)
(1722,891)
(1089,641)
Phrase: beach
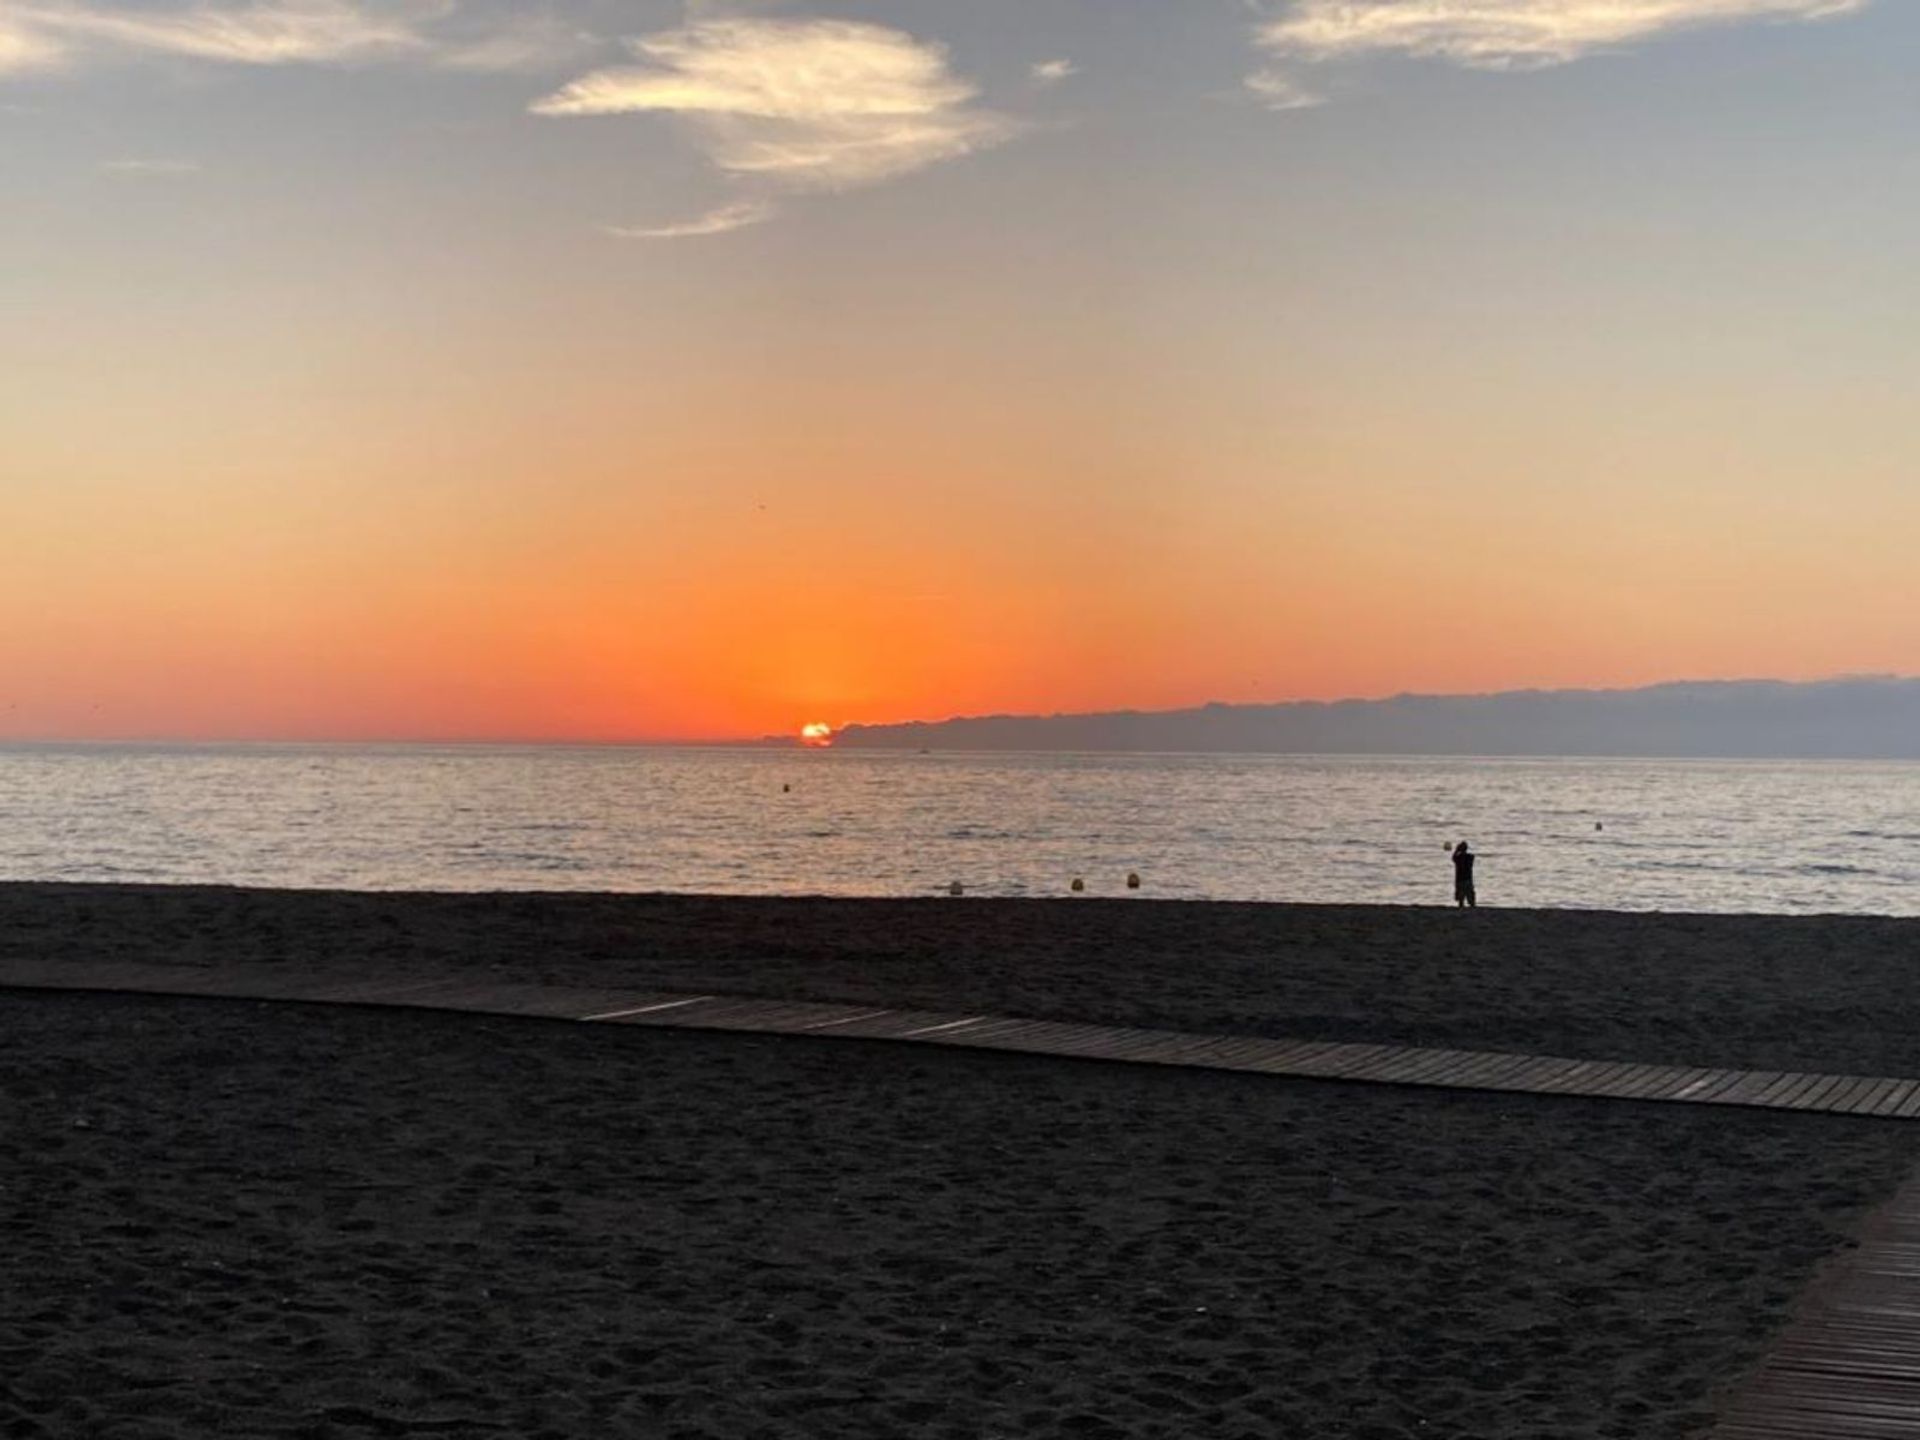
(1801,992)
(267,1219)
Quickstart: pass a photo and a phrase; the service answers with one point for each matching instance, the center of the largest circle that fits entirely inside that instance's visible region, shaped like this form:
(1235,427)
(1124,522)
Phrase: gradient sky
(644,370)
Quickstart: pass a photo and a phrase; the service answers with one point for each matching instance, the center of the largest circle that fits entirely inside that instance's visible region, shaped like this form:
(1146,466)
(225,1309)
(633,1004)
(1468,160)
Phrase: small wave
(524,859)
(1830,869)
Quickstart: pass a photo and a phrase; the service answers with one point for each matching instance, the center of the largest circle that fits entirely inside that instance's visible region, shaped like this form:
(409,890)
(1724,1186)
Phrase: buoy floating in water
(786,789)
(956,888)
(1078,884)
(1133,879)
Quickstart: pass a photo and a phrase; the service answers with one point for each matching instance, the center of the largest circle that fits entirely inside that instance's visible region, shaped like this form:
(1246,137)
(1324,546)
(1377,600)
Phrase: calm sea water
(1619,834)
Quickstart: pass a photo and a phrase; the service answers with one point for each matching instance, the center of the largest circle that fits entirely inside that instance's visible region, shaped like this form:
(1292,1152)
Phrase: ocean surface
(1612,834)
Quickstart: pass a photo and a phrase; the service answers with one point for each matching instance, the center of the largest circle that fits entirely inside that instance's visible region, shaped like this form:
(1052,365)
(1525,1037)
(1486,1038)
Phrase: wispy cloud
(1499,34)
(735,216)
(25,47)
(530,42)
(1051,72)
(265,32)
(151,167)
(799,104)
(51,34)
(1502,34)
(1278,90)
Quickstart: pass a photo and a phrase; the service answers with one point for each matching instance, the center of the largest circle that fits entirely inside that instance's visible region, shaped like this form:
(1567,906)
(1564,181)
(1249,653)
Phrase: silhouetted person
(1462,875)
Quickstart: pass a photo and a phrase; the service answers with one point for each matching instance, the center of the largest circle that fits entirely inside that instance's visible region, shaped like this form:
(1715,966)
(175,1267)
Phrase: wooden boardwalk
(1848,1367)
(1883,1096)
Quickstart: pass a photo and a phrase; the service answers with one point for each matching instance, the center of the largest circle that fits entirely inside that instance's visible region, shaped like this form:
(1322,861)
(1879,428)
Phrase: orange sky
(792,576)
(337,409)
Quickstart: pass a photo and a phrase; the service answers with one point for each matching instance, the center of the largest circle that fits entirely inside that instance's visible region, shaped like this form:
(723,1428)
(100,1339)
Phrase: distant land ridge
(1857,717)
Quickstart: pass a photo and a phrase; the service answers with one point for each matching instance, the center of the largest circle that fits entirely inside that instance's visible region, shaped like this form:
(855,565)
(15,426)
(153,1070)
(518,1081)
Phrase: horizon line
(792,738)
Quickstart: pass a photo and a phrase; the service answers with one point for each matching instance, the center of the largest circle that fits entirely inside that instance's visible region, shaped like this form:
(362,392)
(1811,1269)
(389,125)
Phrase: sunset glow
(420,372)
(817,735)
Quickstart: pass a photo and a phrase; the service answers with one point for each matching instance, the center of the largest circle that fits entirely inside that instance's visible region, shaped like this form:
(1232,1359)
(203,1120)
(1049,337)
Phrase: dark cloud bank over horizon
(1873,717)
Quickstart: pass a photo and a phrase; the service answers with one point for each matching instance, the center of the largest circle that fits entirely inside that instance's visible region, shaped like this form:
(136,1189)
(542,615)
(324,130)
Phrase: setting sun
(818,734)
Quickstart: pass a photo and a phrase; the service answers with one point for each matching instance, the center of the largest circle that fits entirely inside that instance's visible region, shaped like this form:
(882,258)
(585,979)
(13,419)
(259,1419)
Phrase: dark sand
(1774,992)
(228,1218)
(232,1218)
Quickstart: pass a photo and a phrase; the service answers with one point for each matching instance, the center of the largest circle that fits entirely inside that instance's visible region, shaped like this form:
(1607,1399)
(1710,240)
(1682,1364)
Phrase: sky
(611,369)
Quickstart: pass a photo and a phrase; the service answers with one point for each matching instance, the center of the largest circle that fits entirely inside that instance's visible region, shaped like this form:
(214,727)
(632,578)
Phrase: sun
(817,734)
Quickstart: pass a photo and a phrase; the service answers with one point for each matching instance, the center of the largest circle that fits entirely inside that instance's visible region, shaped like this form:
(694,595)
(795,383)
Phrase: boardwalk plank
(1594,1082)
(1489,1071)
(1716,1085)
(1680,1083)
(793,1018)
(1815,1096)
(1241,1053)
(1696,1081)
(1849,1365)
(1285,1055)
(1794,1096)
(1869,1101)
(1842,1096)
(994,1034)
(1217,1054)
(1345,1060)
(534,1001)
(1574,1079)
(1786,1084)
(1651,1080)
(1411,1067)
(712,1013)
(944,1029)
(1451,1069)
(1059,1038)
(1551,1077)
(1751,1085)
(1626,1085)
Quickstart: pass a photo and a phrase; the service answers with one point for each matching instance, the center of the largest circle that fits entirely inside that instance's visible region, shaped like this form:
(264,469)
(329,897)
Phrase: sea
(1676,835)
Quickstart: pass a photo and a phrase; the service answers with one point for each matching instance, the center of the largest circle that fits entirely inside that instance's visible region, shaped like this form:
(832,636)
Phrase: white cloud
(1050,72)
(1508,34)
(802,104)
(735,216)
(264,32)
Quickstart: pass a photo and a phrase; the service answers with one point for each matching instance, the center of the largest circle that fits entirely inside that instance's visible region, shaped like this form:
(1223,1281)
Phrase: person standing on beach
(1463,876)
